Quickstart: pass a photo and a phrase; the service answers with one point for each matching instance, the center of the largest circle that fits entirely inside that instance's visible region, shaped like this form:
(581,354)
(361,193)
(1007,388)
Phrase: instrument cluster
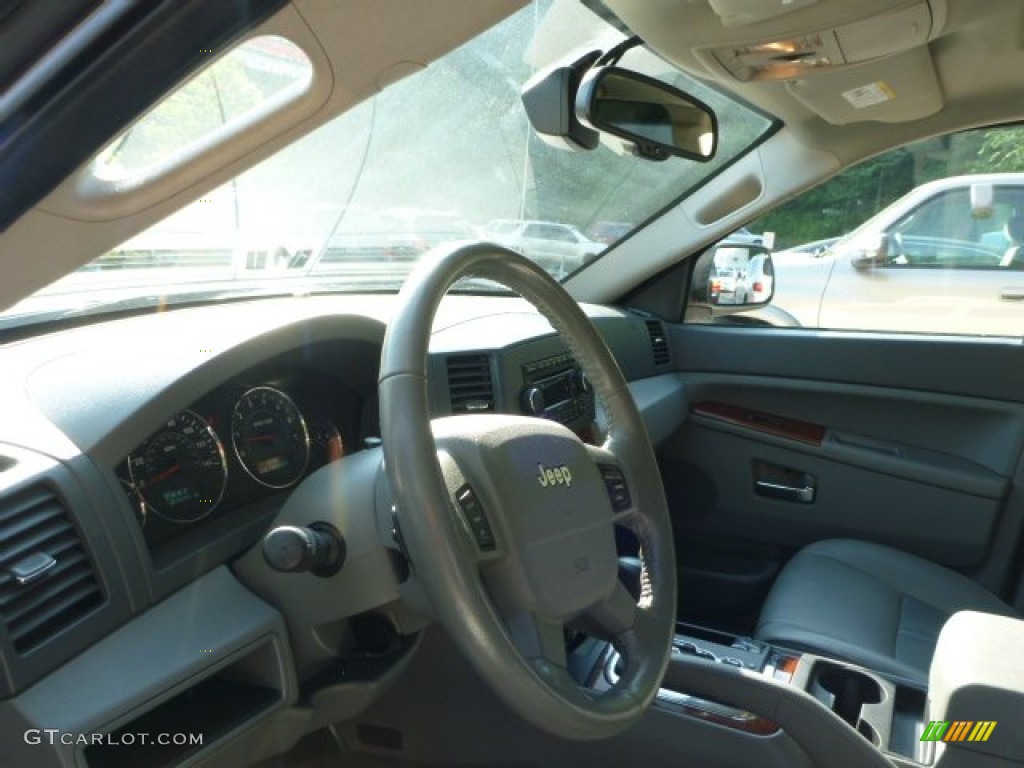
(240,444)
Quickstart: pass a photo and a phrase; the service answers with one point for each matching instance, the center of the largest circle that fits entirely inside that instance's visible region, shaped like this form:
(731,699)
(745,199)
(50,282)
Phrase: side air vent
(46,580)
(659,342)
(469,383)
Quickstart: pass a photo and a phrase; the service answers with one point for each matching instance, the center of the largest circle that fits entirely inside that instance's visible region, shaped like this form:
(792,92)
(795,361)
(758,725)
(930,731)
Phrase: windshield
(444,155)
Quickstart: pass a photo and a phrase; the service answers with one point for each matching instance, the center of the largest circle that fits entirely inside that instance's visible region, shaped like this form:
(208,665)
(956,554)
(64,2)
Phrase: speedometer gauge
(270,437)
(180,472)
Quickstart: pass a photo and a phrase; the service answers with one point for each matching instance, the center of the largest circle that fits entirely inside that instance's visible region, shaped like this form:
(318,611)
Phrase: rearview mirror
(734,276)
(655,118)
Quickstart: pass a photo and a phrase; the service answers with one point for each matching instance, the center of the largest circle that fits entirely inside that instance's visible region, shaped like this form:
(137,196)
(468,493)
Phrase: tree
(844,202)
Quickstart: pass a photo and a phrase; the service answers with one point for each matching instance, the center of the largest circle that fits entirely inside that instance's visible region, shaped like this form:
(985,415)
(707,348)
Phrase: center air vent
(659,342)
(469,383)
(46,580)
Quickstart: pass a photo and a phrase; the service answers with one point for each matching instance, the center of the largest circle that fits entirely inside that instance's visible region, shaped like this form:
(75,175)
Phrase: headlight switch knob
(317,548)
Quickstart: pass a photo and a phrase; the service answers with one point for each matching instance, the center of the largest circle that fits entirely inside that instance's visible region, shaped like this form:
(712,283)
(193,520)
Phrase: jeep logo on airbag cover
(548,476)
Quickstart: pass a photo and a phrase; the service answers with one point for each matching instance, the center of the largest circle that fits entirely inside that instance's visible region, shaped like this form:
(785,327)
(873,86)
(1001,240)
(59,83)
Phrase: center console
(888,714)
(976,692)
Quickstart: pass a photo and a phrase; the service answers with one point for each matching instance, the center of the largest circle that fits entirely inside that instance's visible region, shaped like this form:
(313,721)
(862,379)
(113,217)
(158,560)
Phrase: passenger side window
(928,238)
(562,235)
(946,232)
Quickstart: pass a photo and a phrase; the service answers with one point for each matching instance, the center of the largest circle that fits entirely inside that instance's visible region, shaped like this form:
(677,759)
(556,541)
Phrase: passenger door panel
(910,442)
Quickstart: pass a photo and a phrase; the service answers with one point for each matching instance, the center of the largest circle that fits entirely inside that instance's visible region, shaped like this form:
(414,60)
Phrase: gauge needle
(335,449)
(166,473)
(260,438)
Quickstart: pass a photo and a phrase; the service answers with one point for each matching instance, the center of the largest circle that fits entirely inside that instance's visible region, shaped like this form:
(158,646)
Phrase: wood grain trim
(789,665)
(760,421)
(755,725)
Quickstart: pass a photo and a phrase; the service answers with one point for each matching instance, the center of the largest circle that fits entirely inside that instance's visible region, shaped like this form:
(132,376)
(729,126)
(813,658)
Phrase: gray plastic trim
(342,494)
(73,484)
(826,739)
(936,364)
(181,641)
(662,403)
(936,468)
(977,674)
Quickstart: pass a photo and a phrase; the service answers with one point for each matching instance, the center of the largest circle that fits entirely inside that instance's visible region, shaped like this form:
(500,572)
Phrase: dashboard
(156,450)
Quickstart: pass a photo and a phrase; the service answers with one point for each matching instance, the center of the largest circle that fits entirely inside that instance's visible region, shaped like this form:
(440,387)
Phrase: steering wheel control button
(476,519)
(319,549)
(615,483)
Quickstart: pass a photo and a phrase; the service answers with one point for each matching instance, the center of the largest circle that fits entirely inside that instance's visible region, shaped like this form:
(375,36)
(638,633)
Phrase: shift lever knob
(317,548)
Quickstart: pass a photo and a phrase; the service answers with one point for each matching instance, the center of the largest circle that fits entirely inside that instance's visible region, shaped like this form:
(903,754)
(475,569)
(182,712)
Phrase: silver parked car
(896,268)
(559,248)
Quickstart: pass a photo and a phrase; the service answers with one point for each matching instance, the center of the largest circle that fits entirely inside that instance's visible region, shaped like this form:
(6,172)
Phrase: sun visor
(894,90)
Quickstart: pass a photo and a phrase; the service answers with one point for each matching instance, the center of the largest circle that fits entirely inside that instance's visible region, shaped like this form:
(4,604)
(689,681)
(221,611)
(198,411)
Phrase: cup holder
(845,691)
(869,733)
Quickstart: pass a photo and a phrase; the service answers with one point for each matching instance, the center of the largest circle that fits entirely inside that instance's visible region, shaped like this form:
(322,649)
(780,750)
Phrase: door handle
(802,494)
(773,481)
(1012,294)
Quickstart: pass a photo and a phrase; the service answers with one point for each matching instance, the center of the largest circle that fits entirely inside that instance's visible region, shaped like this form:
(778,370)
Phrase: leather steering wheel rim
(537,689)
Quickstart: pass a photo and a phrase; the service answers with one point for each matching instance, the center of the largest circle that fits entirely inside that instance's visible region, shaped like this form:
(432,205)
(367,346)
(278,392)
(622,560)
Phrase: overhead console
(837,59)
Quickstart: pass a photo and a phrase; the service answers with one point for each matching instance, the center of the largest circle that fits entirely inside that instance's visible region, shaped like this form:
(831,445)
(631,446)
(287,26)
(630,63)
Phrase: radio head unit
(555,388)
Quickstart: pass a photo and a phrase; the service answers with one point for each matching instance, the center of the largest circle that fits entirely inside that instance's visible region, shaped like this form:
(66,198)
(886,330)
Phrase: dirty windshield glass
(444,155)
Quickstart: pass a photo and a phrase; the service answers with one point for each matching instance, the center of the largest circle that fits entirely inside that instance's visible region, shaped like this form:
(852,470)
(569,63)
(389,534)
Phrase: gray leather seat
(867,604)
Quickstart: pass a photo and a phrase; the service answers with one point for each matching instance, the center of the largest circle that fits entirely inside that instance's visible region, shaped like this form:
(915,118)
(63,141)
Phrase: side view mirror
(869,251)
(733,277)
(657,119)
(982,199)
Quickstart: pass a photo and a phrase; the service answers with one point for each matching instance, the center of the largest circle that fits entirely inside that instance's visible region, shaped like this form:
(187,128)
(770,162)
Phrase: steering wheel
(509,521)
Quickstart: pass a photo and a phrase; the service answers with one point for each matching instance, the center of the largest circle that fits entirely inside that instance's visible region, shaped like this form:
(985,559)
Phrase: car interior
(279,488)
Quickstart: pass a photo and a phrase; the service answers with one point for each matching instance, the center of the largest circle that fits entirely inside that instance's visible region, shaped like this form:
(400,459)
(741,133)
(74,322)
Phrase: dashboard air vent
(47,582)
(659,342)
(469,383)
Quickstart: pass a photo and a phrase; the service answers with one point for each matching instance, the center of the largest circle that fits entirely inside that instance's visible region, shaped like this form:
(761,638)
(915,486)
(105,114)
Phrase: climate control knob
(533,400)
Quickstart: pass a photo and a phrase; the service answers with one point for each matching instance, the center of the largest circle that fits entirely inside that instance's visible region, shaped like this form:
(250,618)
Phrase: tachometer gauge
(180,472)
(270,437)
(325,440)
